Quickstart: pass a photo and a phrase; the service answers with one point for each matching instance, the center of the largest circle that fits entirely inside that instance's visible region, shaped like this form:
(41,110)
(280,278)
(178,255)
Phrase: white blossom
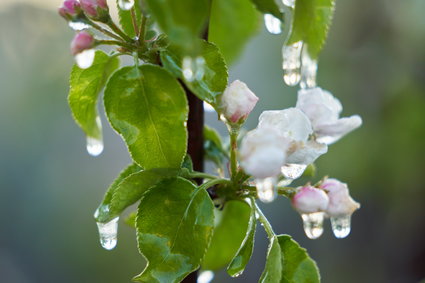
(323,110)
(340,201)
(238,101)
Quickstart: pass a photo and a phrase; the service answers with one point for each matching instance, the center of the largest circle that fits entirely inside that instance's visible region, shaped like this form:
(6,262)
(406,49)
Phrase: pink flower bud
(340,201)
(310,200)
(96,9)
(70,9)
(82,41)
(238,101)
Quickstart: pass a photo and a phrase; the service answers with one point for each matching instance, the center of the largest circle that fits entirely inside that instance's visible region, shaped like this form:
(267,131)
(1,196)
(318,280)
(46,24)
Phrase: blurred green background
(374,62)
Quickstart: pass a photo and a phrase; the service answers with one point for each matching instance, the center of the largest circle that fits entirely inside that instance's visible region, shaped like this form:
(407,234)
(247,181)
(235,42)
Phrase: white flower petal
(238,101)
(340,201)
(306,152)
(331,133)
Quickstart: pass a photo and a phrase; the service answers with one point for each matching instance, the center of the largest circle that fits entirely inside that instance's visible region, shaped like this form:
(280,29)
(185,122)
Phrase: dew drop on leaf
(308,70)
(125,4)
(341,226)
(293,171)
(266,189)
(208,107)
(193,68)
(313,224)
(273,24)
(85,59)
(94,146)
(292,63)
(205,276)
(289,3)
(108,233)
(78,25)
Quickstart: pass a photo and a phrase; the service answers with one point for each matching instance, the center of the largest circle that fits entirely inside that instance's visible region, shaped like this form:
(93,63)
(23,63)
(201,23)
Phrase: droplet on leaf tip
(85,59)
(308,70)
(94,146)
(292,63)
(193,68)
(313,224)
(266,189)
(125,4)
(273,24)
(108,233)
(205,276)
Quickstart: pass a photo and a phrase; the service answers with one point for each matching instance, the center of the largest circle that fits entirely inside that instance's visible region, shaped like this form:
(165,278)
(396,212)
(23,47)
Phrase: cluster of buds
(330,198)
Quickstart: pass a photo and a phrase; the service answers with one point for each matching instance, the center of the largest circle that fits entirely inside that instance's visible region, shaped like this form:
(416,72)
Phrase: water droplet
(108,233)
(292,63)
(125,4)
(77,25)
(293,171)
(308,70)
(205,276)
(313,224)
(266,189)
(289,3)
(94,146)
(193,68)
(237,274)
(208,107)
(273,24)
(85,59)
(341,226)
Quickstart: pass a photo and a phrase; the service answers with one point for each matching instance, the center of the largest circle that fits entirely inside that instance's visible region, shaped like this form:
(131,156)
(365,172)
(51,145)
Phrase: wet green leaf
(230,229)
(125,18)
(213,146)
(215,77)
(312,19)
(268,7)
(148,108)
(175,221)
(232,24)
(85,87)
(183,21)
(298,267)
(273,270)
(243,255)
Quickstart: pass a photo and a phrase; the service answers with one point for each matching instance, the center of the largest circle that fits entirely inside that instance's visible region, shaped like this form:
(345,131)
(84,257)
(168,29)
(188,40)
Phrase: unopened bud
(96,9)
(82,41)
(309,199)
(238,101)
(70,9)
(340,201)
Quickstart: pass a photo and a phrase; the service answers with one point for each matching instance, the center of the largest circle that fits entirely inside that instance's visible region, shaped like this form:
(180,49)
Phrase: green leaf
(232,23)
(298,267)
(273,270)
(125,18)
(85,86)
(175,221)
(213,146)
(103,212)
(268,7)
(148,108)
(183,21)
(229,232)
(312,19)
(215,77)
(243,255)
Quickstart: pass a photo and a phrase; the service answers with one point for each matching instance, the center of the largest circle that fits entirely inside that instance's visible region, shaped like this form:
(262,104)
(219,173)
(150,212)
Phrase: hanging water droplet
(193,68)
(125,4)
(237,274)
(341,226)
(289,3)
(313,224)
(273,24)
(266,189)
(108,233)
(308,70)
(78,25)
(292,63)
(293,171)
(94,146)
(85,59)
(205,276)
(208,107)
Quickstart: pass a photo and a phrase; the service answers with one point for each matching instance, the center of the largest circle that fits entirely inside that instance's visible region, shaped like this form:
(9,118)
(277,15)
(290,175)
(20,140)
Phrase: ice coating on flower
(340,201)
(69,9)
(293,124)
(262,153)
(82,41)
(309,199)
(95,9)
(238,101)
(323,110)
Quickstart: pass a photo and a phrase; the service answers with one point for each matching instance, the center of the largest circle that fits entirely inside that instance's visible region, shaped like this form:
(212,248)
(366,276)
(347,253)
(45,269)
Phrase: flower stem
(105,31)
(202,175)
(117,30)
(234,132)
(115,42)
(134,21)
(266,224)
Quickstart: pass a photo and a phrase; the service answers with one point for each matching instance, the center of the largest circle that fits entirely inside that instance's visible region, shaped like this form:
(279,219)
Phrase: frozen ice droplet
(293,171)
(266,189)
(85,59)
(94,146)
(78,25)
(313,224)
(208,107)
(108,233)
(205,276)
(292,63)
(125,4)
(341,226)
(193,68)
(289,3)
(308,70)
(273,24)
